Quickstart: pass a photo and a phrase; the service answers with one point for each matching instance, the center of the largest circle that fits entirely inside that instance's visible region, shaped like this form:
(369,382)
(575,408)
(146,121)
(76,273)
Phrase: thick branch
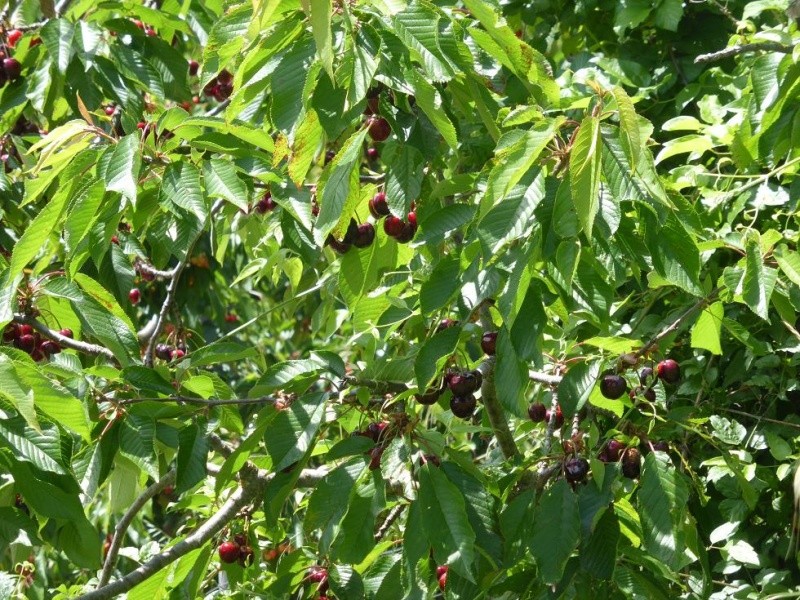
(742,49)
(240,498)
(145,267)
(494,411)
(63,341)
(545,378)
(127,519)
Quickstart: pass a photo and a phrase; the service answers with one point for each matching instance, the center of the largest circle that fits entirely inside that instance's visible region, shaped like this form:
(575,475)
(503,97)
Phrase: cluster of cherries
(375,432)
(170,352)
(402,231)
(220,87)
(613,385)
(463,385)
(236,550)
(24,337)
(356,235)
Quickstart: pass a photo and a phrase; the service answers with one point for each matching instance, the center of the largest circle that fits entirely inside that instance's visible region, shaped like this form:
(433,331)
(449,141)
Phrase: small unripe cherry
(134,296)
(13,37)
(177,354)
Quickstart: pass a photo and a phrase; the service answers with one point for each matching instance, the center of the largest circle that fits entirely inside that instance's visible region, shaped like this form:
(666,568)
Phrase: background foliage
(604,184)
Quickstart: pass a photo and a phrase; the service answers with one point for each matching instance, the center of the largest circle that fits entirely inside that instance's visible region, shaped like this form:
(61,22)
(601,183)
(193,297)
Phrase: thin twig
(127,519)
(676,323)
(200,401)
(743,48)
(758,417)
(389,521)
(64,341)
(172,289)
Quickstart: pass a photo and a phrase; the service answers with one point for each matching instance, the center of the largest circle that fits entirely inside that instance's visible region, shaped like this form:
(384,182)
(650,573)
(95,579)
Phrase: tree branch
(172,289)
(675,324)
(742,49)
(240,498)
(64,341)
(545,378)
(494,411)
(200,401)
(127,519)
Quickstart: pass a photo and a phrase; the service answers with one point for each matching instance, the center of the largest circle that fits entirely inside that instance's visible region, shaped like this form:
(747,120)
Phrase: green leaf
(356,536)
(556,530)
(662,500)
(57,36)
(40,448)
(307,142)
(321,28)
(338,189)
(403,177)
(444,220)
(325,506)
(576,386)
(36,234)
(432,354)
(511,376)
(674,253)
(429,100)
(122,168)
(759,281)
(418,28)
(517,152)
(181,186)
(584,170)
(222,181)
(445,521)
(440,286)
(630,136)
(221,352)
(192,454)
(293,431)
(137,443)
(707,329)
(599,555)
(287,84)
(789,262)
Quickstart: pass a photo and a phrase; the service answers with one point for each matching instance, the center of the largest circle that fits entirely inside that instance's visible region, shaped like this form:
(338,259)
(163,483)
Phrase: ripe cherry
(441,576)
(164,351)
(645,376)
(537,412)
(26,342)
(576,469)
(445,324)
(613,386)
(378,207)
(134,296)
(372,153)
(614,449)
(246,556)
(374,430)
(407,234)
(365,236)
(375,457)
(462,384)
(489,343)
(109,110)
(378,128)
(463,406)
(194,67)
(394,226)
(631,463)
(229,552)
(339,247)
(266,204)
(12,67)
(49,347)
(669,371)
